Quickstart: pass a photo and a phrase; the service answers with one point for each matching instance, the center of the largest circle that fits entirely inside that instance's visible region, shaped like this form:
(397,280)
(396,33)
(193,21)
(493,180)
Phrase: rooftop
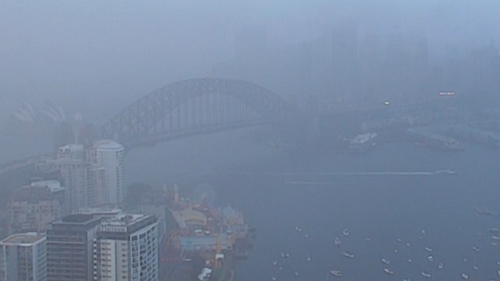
(78,218)
(33,194)
(53,185)
(124,220)
(108,145)
(24,239)
(104,210)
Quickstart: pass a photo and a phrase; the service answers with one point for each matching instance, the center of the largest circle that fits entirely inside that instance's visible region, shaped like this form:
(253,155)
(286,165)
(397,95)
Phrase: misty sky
(99,50)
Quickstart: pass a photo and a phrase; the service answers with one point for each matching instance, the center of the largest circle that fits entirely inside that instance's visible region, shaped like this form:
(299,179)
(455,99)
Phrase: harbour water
(382,208)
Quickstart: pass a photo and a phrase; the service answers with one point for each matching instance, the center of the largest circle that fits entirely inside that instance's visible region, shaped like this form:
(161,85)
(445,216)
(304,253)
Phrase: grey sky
(55,49)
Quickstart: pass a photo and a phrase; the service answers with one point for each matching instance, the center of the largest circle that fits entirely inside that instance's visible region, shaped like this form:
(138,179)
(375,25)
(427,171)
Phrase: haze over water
(382,208)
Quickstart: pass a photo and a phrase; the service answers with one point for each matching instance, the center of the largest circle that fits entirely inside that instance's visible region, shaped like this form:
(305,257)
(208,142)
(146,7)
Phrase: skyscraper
(126,248)
(23,257)
(69,248)
(81,177)
(110,155)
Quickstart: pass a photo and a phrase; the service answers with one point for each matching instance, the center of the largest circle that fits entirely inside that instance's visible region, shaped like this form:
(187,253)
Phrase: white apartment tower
(110,155)
(23,257)
(81,178)
(126,248)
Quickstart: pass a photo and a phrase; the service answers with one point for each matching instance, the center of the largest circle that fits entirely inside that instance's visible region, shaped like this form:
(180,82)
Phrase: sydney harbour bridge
(188,108)
(202,106)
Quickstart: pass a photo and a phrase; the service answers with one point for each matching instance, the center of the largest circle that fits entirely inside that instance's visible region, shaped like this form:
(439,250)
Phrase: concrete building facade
(33,207)
(23,257)
(69,248)
(126,248)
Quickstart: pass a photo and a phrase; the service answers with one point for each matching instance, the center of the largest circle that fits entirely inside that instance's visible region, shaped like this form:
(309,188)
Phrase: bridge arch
(196,106)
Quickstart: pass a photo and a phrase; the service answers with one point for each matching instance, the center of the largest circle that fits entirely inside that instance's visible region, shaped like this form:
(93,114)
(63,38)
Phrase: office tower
(69,248)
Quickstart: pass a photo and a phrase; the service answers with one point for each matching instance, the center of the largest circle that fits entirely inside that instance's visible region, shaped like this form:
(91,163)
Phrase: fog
(380,117)
(112,52)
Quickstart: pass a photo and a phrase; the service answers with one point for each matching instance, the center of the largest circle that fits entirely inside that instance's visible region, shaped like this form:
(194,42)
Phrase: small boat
(336,272)
(348,254)
(430,258)
(280,268)
(440,266)
(306,235)
(408,244)
(428,249)
(285,255)
(498,263)
(494,237)
(399,240)
(426,274)
(345,232)
(273,278)
(385,261)
(498,272)
(388,271)
(465,276)
(337,241)
(465,260)
(308,259)
(297,273)
(494,243)
(395,251)
(368,239)
(444,172)
(298,228)
(475,267)
(422,231)
(475,249)
(493,230)
(410,260)
(275,262)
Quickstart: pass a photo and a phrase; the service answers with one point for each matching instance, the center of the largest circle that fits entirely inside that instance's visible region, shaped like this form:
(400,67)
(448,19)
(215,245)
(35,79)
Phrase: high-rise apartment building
(69,248)
(109,156)
(34,206)
(23,257)
(126,248)
(81,177)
